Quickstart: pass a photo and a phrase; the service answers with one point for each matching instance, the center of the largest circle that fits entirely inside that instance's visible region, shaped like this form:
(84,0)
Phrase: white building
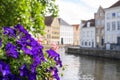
(88,34)
(66,33)
(112,25)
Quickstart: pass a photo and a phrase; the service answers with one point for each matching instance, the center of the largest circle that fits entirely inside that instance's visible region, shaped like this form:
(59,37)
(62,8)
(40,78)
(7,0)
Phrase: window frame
(113,25)
(108,27)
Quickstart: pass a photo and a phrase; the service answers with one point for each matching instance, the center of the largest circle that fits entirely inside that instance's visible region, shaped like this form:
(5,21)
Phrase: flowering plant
(22,57)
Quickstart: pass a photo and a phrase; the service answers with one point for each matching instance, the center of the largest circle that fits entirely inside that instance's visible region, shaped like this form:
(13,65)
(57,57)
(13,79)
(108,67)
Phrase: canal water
(79,67)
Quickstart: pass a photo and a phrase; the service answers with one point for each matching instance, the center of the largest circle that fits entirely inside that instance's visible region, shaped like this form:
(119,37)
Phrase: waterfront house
(99,25)
(87,34)
(52,30)
(66,32)
(76,34)
(112,26)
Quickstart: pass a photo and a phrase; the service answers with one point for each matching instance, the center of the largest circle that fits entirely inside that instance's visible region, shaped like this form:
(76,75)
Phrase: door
(62,41)
(102,41)
(118,40)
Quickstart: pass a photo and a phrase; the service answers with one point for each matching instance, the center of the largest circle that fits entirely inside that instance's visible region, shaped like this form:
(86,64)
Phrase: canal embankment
(94,52)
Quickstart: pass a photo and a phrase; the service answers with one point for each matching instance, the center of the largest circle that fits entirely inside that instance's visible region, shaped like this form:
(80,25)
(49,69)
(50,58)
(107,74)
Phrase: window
(82,43)
(102,31)
(118,25)
(98,31)
(108,26)
(101,14)
(108,38)
(97,22)
(108,15)
(118,14)
(113,15)
(87,33)
(89,43)
(113,38)
(92,44)
(85,43)
(113,25)
(98,39)
(103,22)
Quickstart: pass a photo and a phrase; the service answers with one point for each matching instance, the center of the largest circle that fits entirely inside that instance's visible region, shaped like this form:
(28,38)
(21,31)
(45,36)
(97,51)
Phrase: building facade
(87,35)
(76,34)
(66,33)
(52,30)
(99,25)
(112,25)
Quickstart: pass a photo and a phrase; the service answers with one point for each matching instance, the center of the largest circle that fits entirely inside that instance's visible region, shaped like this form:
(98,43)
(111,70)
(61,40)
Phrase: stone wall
(94,52)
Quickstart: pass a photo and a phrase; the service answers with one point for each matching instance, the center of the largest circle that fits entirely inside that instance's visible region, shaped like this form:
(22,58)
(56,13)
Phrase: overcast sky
(73,11)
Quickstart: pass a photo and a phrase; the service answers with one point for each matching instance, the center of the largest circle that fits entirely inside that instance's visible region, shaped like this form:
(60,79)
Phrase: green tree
(29,13)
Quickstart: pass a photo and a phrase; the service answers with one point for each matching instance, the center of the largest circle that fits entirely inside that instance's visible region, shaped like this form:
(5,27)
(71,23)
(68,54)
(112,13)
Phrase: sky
(72,11)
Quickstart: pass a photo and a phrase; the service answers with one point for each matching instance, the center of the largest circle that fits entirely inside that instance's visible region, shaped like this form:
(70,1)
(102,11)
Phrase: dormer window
(88,24)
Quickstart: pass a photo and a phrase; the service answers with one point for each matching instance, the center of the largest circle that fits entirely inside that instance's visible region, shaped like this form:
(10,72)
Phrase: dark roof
(63,22)
(83,21)
(92,23)
(115,4)
(49,20)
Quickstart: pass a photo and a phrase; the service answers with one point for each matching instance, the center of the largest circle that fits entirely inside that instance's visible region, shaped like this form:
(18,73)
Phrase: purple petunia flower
(9,31)
(11,50)
(23,70)
(53,54)
(58,61)
(30,47)
(36,62)
(33,67)
(4,68)
(32,76)
(54,72)
(20,28)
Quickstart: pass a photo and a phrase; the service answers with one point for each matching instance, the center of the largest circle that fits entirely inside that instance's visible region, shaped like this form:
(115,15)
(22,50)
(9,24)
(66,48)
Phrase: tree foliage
(29,13)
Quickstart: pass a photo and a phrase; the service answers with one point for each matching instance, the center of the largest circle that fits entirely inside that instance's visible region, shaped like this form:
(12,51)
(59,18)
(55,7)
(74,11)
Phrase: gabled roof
(92,23)
(49,20)
(63,22)
(100,8)
(115,4)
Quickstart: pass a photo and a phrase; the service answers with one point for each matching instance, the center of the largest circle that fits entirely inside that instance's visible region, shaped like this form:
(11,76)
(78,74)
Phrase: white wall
(87,37)
(66,32)
(111,35)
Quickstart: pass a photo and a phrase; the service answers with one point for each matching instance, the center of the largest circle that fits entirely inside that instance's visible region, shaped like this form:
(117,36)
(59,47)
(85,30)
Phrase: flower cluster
(54,72)
(20,43)
(55,56)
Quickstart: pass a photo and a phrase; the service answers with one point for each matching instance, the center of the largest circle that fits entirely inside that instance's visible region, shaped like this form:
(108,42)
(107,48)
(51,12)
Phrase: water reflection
(72,65)
(89,68)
